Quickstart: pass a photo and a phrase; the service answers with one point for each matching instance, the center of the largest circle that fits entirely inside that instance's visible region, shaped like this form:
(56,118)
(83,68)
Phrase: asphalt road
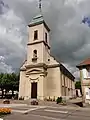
(47,113)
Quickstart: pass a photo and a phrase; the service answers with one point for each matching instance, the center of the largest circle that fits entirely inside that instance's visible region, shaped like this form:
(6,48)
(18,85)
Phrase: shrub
(59,100)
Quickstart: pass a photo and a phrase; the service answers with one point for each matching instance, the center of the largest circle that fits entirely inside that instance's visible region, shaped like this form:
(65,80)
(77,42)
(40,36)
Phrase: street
(47,113)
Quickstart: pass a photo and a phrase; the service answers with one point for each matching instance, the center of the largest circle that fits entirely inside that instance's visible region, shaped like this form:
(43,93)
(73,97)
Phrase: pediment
(33,71)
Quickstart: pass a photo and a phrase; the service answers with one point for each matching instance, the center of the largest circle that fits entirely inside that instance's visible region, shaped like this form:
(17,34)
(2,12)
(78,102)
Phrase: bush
(59,100)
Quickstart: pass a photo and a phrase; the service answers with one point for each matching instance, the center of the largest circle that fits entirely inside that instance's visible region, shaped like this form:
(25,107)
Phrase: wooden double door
(34,90)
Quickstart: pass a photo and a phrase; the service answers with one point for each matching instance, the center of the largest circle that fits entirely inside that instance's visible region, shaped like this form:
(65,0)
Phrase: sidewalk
(70,104)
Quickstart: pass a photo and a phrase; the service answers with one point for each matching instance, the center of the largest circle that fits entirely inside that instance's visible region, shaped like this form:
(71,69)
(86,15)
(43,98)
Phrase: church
(41,75)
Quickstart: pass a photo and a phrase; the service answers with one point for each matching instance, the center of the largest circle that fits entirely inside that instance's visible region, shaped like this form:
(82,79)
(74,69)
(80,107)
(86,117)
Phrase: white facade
(40,75)
(85,82)
(86,73)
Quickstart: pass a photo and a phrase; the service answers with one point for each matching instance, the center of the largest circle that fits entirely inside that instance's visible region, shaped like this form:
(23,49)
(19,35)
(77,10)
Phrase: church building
(41,75)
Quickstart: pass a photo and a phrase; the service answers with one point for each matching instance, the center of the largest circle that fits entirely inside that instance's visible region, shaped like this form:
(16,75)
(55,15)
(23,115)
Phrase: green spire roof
(38,20)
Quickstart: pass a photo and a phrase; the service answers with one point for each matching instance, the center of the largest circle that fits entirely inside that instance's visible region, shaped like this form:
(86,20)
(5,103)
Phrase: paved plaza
(28,112)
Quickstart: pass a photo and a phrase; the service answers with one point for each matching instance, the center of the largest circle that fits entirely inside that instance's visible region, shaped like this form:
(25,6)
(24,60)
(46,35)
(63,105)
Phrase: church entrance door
(34,90)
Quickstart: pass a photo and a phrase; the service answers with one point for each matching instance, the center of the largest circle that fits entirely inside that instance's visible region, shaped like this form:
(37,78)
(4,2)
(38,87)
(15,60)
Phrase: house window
(36,35)
(46,37)
(88,71)
(35,54)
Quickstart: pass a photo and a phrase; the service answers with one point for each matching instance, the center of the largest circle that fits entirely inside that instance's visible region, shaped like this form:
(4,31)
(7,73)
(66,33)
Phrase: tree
(78,85)
(9,82)
(14,79)
(1,85)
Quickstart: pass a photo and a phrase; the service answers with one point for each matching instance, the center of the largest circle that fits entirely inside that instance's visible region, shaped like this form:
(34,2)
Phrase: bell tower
(38,46)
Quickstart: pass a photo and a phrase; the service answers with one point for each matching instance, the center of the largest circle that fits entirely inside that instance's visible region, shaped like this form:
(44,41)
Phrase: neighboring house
(41,75)
(84,68)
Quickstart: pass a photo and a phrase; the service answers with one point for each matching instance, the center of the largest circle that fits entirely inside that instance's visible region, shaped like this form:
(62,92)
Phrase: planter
(34,102)
(6,102)
(64,104)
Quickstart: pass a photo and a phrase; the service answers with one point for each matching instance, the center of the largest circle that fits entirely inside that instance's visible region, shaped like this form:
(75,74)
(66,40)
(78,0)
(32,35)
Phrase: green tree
(9,82)
(78,85)
(1,85)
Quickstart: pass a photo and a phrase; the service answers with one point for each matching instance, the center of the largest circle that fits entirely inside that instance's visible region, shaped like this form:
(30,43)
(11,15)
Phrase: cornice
(37,42)
(53,66)
(38,23)
(37,65)
(23,69)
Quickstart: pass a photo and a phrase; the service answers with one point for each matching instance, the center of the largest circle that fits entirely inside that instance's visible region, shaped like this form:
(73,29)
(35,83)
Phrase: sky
(69,38)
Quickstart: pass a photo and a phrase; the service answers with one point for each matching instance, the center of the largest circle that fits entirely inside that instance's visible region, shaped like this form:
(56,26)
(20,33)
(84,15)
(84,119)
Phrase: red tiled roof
(85,62)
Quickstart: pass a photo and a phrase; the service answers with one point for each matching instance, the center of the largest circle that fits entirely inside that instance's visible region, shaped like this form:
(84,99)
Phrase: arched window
(35,54)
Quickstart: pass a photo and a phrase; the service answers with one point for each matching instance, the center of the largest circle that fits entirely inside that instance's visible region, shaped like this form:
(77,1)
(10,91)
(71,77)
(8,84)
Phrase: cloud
(69,38)
(12,42)
(4,67)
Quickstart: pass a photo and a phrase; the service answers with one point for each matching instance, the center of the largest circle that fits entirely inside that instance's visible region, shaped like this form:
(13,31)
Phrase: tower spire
(40,5)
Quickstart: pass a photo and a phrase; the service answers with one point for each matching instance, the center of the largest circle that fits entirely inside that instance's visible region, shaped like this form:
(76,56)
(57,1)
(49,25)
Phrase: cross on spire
(40,5)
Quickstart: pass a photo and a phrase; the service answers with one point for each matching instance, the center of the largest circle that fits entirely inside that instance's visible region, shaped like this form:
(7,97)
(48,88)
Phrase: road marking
(1,119)
(46,117)
(65,107)
(29,110)
(59,107)
(20,111)
(65,112)
(33,109)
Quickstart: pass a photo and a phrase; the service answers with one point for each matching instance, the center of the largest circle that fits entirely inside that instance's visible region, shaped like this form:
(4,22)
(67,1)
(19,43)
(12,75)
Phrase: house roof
(84,63)
(38,20)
